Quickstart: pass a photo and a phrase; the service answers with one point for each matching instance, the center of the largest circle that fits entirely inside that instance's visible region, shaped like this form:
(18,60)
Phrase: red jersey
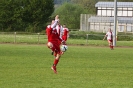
(65,33)
(52,34)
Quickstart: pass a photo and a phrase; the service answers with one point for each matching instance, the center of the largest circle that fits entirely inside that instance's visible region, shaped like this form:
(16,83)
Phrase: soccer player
(53,43)
(109,36)
(59,29)
(65,34)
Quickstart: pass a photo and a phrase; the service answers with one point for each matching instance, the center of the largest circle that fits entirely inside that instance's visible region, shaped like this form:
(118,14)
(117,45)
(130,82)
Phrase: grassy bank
(42,39)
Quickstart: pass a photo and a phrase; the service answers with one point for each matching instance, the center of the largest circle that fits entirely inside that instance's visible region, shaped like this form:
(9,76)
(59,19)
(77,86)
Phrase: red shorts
(110,40)
(59,42)
(56,45)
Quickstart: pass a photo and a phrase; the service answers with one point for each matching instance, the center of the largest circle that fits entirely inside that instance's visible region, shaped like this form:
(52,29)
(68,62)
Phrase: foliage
(98,36)
(10,14)
(125,37)
(17,15)
(37,12)
(89,5)
(61,1)
(84,34)
(70,14)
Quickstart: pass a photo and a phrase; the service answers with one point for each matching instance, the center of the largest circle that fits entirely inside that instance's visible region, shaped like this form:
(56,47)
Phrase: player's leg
(109,43)
(51,46)
(57,57)
(56,60)
(65,39)
(112,44)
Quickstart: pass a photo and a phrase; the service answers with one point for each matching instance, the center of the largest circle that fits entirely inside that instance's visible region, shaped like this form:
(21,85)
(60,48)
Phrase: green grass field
(28,66)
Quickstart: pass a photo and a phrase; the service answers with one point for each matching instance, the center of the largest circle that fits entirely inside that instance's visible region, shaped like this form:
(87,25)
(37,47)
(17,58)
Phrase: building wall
(103,27)
(84,24)
(102,24)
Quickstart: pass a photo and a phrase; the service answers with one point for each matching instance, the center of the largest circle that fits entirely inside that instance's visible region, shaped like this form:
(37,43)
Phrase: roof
(111,4)
(110,19)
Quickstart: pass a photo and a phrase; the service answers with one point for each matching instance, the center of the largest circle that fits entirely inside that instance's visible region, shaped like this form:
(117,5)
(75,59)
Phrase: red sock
(112,47)
(56,62)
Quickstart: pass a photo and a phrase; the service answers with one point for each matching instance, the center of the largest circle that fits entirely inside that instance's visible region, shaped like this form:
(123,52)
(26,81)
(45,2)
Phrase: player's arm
(61,32)
(104,37)
(55,22)
(62,41)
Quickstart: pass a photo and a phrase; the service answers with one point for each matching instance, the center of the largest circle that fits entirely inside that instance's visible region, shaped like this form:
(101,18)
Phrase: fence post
(38,37)
(87,38)
(14,37)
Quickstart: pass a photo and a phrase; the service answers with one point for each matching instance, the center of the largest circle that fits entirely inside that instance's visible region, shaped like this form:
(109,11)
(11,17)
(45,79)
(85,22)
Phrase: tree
(89,5)
(9,14)
(70,15)
(37,12)
(22,14)
(61,1)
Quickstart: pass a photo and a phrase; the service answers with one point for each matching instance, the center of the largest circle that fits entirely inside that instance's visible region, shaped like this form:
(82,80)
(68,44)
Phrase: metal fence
(17,37)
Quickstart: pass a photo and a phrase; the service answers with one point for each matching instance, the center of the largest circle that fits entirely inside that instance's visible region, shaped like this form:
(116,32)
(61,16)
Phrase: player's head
(58,22)
(64,25)
(52,21)
(109,29)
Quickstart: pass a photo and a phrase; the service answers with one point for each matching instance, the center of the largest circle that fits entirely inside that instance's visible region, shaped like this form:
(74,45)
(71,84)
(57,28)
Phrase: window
(92,26)
(104,8)
(120,9)
(129,27)
(99,13)
(112,12)
(99,8)
(109,8)
(102,26)
(130,13)
(104,12)
(121,28)
(119,13)
(109,13)
(125,9)
(129,8)
(124,13)
(96,26)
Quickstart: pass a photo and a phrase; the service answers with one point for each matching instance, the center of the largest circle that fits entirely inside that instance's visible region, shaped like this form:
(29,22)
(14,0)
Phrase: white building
(105,17)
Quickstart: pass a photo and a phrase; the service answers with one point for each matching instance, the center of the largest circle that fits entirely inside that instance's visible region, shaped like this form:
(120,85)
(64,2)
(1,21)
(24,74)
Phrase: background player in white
(109,36)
